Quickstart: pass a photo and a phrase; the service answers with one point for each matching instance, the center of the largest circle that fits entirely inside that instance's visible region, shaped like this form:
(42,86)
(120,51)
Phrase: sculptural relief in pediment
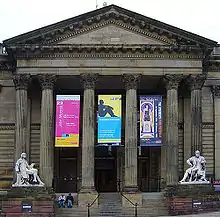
(111,34)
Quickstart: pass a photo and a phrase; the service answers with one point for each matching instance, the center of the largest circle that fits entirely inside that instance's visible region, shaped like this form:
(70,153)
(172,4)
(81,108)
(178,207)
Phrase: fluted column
(88,143)
(21,125)
(46,129)
(216,93)
(172,141)
(130,182)
(196,82)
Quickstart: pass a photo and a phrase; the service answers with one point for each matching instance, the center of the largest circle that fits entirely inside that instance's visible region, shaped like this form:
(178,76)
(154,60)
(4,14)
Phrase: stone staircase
(110,205)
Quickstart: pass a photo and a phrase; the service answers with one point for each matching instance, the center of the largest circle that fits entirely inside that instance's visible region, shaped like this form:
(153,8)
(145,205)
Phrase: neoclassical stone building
(110,51)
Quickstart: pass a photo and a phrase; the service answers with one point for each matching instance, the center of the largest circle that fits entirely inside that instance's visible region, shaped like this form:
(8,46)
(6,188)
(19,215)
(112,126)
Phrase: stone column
(196,82)
(216,92)
(46,129)
(21,125)
(172,143)
(88,192)
(130,184)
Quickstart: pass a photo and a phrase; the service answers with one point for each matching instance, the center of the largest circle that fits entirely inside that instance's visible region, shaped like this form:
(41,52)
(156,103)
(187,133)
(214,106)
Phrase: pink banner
(67,120)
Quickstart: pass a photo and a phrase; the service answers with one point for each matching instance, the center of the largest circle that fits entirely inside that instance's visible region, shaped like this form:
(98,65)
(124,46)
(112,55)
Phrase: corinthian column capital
(216,91)
(196,81)
(172,81)
(47,81)
(21,81)
(89,80)
(131,80)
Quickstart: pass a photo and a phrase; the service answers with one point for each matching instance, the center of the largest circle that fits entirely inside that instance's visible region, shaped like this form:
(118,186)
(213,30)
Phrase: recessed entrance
(105,170)
(66,170)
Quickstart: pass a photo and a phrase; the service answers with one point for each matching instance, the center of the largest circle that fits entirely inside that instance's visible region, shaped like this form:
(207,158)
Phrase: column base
(130,189)
(133,197)
(87,196)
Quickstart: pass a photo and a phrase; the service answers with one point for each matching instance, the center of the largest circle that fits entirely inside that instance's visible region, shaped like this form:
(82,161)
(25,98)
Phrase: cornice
(107,51)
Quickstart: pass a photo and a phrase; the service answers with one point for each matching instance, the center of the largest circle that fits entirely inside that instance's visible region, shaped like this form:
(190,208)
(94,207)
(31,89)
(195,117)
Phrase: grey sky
(198,16)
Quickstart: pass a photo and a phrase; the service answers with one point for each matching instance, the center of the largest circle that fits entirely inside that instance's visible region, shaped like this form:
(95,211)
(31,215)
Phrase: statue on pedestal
(196,173)
(27,175)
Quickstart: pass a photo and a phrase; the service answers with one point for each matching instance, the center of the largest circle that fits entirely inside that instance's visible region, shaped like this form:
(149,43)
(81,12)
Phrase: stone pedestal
(46,129)
(188,199)
(172,136)
(130,182)
(196,82)
(21,125)
(134,198)
(40,199)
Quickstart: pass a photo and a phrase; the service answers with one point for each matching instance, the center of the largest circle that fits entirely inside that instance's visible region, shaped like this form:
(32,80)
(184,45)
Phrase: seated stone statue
(196,172)
(26,174)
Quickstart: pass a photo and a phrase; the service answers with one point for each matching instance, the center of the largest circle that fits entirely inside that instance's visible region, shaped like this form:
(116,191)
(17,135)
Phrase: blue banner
(150,120)
(109,119)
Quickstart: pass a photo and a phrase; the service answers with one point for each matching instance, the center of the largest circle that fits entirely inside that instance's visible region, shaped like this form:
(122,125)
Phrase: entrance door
(148,169)
(65,170)
(105,175)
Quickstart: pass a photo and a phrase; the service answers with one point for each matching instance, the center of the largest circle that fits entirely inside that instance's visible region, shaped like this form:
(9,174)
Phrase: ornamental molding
(7,126)
(208,125)
(107,51)
(135,29)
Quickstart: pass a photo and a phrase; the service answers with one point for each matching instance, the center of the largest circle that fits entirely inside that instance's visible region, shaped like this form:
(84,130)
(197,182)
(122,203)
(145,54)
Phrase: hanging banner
(109,119)
(67,120)
(150,120)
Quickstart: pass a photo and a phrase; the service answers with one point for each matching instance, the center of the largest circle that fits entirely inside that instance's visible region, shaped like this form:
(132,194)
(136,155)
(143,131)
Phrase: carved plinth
(188,199)
(41,200)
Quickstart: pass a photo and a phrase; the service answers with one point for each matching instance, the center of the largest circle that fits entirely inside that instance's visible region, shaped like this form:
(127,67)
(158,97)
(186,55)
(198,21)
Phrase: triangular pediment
(111,24)
(112,34)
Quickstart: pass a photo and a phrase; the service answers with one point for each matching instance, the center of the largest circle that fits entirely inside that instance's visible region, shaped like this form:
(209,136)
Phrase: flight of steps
(110,205)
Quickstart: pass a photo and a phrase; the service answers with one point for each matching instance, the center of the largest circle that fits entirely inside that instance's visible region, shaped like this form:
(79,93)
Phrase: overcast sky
(198,16)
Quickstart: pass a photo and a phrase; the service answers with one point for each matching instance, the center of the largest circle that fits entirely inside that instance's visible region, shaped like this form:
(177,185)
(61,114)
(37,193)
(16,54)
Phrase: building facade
(110,51)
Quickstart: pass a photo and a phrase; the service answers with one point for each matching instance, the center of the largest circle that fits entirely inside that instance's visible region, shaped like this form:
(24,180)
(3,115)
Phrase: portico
(111,51)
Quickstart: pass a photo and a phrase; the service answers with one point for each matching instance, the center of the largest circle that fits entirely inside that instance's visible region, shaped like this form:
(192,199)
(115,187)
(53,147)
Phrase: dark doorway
(66,170)
(149,169)
(105,170)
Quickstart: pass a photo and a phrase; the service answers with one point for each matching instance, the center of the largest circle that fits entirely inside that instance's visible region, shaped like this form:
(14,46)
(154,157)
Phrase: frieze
(108,50)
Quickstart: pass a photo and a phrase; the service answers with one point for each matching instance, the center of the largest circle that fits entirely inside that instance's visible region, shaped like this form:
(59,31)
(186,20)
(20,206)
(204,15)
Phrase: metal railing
(133,204)
(91,204)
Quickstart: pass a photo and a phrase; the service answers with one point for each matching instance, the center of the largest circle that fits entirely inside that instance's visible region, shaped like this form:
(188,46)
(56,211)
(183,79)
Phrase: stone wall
(7,127)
